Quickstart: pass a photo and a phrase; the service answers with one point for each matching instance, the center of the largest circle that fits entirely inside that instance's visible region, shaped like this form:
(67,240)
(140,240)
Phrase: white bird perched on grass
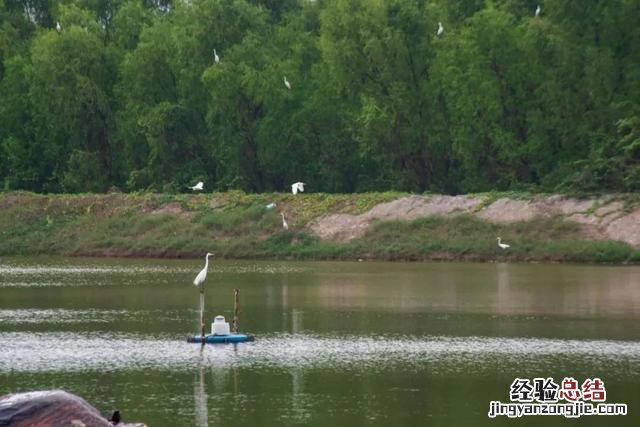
(297,186)
(440,29)
(198,187)
(216,58)
(286,83)
(58,27)
(271,205)
(538,10)
(202,276)
(284,222)
(503,245)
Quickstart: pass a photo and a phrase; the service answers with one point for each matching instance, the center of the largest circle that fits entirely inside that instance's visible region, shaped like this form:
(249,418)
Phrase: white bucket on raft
(220,327)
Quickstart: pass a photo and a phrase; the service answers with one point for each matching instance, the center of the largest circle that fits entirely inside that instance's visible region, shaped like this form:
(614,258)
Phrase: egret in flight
(503,245)
(284,222)
(297,186)
(286,83)
(216,58)
(440,29)
(198,187)
(538,10)
(202,276)
(58,27)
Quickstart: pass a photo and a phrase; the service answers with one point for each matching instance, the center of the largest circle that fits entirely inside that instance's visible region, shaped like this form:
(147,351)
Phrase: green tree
(129,94)
(69,89)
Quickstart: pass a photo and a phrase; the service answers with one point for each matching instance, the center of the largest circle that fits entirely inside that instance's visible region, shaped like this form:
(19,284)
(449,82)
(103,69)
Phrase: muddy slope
(605,218)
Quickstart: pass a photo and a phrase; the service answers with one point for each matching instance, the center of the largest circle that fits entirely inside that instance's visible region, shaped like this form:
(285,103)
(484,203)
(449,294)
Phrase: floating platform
(221,339)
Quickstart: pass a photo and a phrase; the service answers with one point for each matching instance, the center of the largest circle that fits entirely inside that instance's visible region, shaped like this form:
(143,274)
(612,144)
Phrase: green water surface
(337,344)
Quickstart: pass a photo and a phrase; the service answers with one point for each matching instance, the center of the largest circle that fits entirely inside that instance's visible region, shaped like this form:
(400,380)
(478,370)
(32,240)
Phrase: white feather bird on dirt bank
(198,187)
(285,225)
(297,186)
(503,245)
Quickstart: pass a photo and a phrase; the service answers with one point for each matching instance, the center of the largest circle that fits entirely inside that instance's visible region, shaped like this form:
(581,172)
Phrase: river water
(337,344)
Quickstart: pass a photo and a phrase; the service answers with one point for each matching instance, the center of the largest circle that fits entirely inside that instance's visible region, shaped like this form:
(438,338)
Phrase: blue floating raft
(221,339)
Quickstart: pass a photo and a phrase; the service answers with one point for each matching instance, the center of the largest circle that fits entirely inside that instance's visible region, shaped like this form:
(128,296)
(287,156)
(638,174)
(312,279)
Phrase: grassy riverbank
(237,225)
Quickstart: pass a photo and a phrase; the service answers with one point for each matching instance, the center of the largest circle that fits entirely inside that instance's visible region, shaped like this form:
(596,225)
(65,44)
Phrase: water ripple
(59,315)
(33,284)
(60,351)
(39,270)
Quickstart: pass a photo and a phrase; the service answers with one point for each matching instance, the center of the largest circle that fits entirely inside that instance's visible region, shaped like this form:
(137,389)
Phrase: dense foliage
(128,93)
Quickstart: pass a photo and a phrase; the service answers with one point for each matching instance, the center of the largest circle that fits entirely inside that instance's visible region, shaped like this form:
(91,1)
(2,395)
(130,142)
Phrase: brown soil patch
(607,222)
(173,209)
(508,210)
(625,228)
(344,227)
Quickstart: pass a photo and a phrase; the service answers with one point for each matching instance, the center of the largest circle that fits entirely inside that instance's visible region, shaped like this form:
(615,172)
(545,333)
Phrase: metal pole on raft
(235,310)
(202,312)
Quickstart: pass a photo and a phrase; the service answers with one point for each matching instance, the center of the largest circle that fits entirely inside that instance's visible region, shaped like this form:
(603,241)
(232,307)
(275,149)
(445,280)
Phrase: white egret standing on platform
(199,281)
(440,29)
(503,245)
(284,222)
(216,58)
(538,10)
(286,83)
(198,187)
(202,276)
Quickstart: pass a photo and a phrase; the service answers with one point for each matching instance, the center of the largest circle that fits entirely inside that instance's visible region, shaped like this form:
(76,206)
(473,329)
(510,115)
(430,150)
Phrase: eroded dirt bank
(604,218)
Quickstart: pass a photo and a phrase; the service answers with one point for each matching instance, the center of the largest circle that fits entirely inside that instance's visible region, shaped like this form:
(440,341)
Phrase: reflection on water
(299,400)
(337,343)
(296,321)
(201,400)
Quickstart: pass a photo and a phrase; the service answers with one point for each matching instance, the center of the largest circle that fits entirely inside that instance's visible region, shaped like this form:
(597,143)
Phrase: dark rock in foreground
(51,408)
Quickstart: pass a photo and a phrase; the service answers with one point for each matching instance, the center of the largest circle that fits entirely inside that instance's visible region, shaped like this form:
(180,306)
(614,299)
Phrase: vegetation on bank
(238,225)
(128,93)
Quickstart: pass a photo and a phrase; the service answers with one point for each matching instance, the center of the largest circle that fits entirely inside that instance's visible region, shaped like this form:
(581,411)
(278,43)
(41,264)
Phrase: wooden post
(235,310)
(202,312)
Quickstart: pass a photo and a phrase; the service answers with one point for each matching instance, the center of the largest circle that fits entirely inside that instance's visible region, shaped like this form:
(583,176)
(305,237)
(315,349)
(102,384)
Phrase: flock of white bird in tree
(440,30)
(296,186)
(287,84)
(216,59)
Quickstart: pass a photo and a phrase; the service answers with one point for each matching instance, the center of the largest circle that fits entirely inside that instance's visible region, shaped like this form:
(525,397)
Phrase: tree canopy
(127,93)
